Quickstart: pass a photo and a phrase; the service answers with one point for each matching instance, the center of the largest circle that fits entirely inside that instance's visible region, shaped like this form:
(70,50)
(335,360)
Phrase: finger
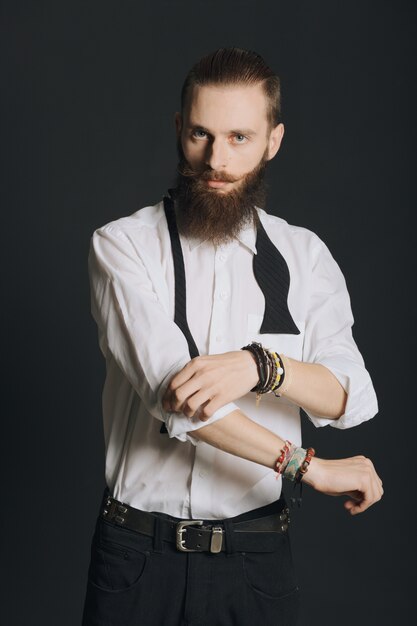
(358,500)
(367,501)
(180,396)
(377,489)
(173,385)
(371,489)
(166,400)
(196,404)
(359,508)
(183,375)
(354,498)
(210,407)
(200,412)
(349,504)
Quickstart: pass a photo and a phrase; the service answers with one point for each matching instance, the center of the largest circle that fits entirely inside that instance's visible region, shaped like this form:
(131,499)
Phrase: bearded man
(218,321)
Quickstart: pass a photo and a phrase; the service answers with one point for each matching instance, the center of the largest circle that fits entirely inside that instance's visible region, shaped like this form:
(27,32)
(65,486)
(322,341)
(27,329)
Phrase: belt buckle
(181,529)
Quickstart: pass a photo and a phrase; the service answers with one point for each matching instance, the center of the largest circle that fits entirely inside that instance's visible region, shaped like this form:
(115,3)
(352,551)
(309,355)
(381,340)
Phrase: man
(193,528)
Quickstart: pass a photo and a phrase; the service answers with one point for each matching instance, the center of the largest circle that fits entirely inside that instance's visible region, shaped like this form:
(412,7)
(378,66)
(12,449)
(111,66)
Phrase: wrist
(312,476)
(288,375)
(251,363)
(294,461)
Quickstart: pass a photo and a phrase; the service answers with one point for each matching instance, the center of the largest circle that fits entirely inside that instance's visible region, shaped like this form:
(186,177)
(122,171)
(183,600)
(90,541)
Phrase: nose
(217,157)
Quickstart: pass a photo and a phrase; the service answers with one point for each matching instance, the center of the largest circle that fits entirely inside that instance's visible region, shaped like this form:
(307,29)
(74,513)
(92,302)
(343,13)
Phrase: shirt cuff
(180,426)
(361,404)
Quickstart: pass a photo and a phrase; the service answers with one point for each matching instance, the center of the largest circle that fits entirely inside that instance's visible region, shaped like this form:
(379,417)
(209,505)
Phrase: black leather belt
(251,535)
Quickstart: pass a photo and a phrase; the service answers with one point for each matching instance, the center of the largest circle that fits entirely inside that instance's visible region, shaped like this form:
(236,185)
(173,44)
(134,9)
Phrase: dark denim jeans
(132,581)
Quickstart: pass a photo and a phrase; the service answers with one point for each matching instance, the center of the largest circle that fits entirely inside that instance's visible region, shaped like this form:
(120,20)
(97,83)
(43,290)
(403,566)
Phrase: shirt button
(219,338)
(202,474)
(223,295)
(222,257)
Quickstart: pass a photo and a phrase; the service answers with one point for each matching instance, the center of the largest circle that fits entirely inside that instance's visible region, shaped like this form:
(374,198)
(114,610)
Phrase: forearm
(314,388)
(239,435)
(354,477)
(212,381)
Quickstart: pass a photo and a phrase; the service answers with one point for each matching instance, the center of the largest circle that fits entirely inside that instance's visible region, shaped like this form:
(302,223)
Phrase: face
(224,133)
(224,144)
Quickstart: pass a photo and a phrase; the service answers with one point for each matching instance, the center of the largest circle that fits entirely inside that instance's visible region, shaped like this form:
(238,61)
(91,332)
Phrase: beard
(204,213)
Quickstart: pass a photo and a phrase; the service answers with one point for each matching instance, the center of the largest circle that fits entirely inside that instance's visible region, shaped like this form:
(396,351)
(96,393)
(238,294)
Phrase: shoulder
(282,233)
(302,248)
(144,222)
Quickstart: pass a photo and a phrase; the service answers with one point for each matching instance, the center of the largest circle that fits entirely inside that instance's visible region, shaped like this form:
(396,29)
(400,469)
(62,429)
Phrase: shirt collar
(247,237)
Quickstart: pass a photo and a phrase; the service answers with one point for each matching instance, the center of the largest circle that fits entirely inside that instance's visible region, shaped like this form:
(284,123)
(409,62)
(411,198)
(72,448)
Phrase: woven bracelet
(256,349)
(294,463)
(310,452)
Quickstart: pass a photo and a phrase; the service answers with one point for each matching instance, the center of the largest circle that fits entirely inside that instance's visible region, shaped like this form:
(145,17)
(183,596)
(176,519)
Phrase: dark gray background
(89,92)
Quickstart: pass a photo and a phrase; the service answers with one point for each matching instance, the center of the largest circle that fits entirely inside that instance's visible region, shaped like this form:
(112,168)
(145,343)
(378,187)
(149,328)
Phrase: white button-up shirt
(132,294)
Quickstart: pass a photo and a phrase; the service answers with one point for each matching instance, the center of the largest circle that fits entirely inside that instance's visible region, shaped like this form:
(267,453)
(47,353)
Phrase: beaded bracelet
(284,457)
(310,452)
(280,373)
(287,376)
(270,367)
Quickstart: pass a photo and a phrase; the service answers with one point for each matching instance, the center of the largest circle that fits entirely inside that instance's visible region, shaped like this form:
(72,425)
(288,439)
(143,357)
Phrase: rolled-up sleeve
(329,341)
(148,347)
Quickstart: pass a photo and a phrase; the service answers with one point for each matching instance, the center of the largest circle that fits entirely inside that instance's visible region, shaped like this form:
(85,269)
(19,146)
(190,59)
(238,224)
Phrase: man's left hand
(207,383)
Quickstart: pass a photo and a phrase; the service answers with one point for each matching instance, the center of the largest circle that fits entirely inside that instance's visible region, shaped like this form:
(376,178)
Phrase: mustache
(187,171)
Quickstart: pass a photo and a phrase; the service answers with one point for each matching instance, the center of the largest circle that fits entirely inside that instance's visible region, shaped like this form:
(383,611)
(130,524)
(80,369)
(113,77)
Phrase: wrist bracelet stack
(293,461)
(271,370)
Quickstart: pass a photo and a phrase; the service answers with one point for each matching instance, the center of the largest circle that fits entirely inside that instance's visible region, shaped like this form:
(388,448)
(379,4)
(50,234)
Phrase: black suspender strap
(180,315)
(271,273)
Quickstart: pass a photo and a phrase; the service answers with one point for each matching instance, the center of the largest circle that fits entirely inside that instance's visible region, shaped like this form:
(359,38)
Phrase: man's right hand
(354,477)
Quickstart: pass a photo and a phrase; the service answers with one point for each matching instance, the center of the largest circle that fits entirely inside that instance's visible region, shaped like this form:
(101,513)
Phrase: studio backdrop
(89,92)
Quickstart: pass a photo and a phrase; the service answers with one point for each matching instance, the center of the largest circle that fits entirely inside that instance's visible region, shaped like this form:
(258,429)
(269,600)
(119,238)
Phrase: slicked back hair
(235,66)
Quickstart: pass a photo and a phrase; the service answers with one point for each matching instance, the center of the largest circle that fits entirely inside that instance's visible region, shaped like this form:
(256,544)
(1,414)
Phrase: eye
(199,134)
(239,138)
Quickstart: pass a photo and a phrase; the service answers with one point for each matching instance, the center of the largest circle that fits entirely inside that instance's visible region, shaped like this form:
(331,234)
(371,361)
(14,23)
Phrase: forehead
(227,106)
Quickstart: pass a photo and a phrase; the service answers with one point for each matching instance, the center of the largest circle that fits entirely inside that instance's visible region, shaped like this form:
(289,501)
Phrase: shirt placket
(202,490)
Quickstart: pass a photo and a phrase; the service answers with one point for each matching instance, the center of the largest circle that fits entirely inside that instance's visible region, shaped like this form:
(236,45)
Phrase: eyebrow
(237,131)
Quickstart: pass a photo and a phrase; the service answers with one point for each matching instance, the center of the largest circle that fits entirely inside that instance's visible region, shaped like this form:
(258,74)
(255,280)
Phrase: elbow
(340,398)
(342,407)
(334,409)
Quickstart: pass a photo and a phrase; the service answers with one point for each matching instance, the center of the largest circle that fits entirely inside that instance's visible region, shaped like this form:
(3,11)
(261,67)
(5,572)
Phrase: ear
(178,123)
(274,141)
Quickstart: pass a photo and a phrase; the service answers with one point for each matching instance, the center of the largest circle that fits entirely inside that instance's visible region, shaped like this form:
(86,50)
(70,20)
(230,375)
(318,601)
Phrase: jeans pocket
(271,574)
(116,566)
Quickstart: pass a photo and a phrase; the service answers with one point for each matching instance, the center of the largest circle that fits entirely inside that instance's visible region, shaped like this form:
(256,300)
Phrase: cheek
(192,151)
(246,161)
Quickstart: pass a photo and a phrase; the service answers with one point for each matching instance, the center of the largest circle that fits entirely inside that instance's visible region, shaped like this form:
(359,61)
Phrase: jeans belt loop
(228,529)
